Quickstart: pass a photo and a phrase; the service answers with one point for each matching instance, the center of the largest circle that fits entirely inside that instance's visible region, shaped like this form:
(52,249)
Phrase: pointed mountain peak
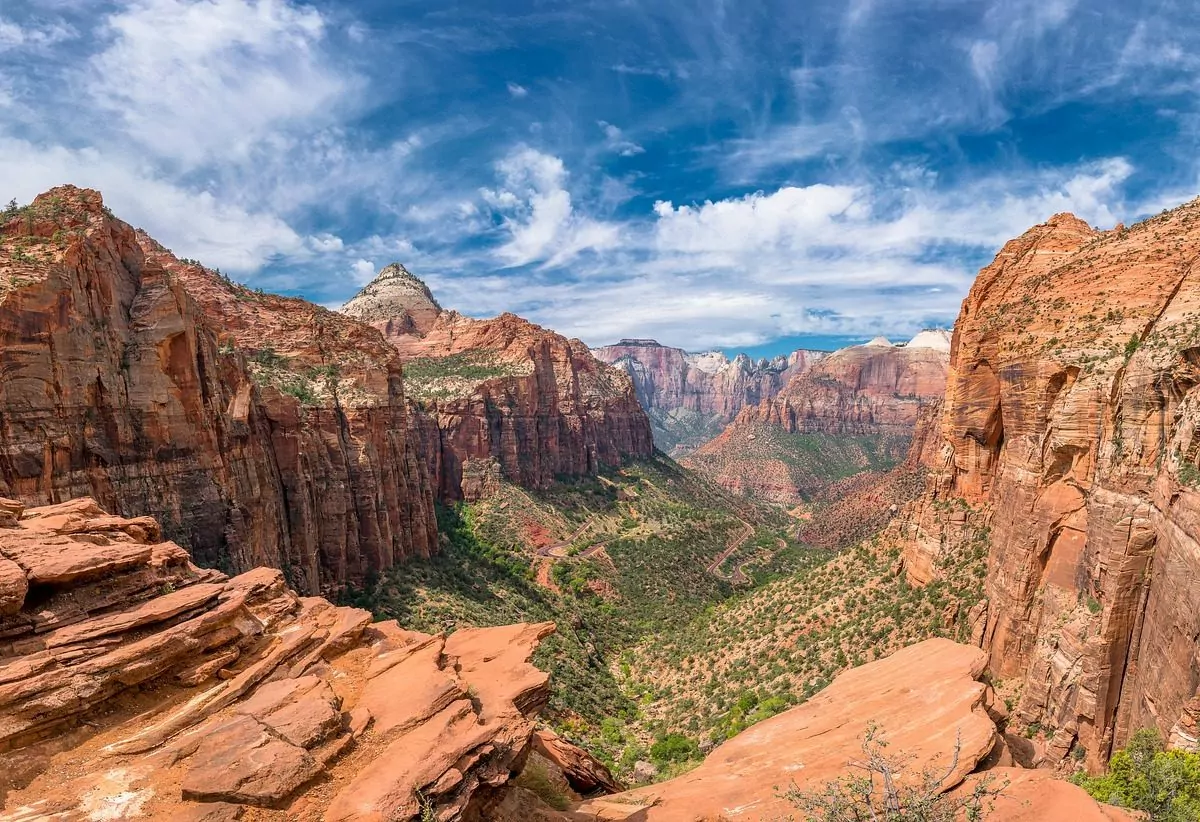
(397,298)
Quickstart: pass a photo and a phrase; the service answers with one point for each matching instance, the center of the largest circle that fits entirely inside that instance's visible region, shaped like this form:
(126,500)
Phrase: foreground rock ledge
(922,697)
(134,685)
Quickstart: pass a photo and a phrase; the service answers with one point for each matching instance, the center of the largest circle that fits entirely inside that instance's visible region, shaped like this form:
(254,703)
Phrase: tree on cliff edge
(1144,776)
(874,793)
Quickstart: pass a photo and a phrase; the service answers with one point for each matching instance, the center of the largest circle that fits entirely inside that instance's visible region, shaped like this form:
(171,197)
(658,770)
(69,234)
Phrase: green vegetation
(433,378)
(655,655)
(778,644)
(1145,777)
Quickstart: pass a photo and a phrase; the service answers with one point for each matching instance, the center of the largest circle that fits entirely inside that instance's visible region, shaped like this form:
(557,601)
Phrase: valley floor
(685,613)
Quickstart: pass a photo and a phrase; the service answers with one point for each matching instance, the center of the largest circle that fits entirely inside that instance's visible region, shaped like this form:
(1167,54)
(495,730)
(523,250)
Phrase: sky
(738,175)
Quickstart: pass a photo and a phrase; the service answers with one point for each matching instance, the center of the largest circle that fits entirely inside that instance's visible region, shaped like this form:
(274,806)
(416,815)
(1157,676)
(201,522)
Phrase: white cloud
(14,36)
(198,80)
(538,214)
(193,224)
(362,271)
(834,259)
(516,90)
(615,141)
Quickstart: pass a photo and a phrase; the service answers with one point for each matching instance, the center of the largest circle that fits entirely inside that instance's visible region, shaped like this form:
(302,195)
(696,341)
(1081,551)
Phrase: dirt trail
(733,547)
(559,549)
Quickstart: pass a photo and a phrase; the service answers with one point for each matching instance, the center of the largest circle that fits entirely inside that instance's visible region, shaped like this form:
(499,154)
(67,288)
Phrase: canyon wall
(690,398)
(854,410)
(502,397)
(261,430)
(1070,425)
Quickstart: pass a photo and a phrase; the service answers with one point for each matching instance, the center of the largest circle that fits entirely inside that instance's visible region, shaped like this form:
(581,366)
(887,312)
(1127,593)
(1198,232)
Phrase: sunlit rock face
(261,430)
(1071,414)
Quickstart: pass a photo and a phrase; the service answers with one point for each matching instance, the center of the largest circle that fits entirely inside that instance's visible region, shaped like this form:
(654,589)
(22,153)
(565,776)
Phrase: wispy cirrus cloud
(709,174)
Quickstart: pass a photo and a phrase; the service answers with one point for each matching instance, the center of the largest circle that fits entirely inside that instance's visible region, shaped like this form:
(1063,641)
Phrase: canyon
(191,460)
(502,396)
(690,398)
(851,411)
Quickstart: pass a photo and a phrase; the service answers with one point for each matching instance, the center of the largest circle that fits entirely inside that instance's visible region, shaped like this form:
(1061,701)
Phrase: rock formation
(853,410)
(690,398)
(1070,423)
(262,430)
(926,700)
(134,685)
(502,390)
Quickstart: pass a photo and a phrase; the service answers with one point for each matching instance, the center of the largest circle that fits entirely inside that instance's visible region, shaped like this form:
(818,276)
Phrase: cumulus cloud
(516,90)
(538,216)
(828,259)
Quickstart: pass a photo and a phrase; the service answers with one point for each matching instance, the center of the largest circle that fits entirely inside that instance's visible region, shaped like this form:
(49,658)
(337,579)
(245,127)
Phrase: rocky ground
(136,685)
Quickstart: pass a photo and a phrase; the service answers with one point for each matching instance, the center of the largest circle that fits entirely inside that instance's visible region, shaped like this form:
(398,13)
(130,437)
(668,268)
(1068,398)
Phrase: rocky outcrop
(539,405)
(927,702)
(690,398)
(1070,423)
(261,430)
(854,410)
(400,303)
(134,685)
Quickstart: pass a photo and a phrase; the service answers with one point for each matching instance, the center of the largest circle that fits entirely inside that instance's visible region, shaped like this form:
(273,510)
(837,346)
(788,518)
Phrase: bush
(673,748)
(872,792)
(1145,777)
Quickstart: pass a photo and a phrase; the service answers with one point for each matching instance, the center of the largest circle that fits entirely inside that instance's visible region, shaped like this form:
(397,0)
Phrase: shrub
(872,792)
(673,748)
(1145,777)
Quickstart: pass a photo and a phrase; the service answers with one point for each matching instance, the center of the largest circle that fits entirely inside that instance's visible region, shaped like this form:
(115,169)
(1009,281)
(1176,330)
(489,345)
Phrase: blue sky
(744,175)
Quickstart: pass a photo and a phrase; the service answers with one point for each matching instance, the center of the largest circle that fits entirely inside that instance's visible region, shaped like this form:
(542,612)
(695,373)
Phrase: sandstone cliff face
(1071,421)
(690,398)
(864,389)
(855,409)
(503,392)
(262,430)
(134,685)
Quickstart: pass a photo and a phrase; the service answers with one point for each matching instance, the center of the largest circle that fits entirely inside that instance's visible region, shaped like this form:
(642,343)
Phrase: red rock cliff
(1071,417)
(502,392)
(856,409)
(863,389)
(691,397)
(125,380)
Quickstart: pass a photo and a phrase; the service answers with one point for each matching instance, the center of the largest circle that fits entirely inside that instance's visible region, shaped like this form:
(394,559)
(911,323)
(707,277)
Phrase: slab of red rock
(243,762)
(583,772)
(922,698)
(1038,796)
(296,707)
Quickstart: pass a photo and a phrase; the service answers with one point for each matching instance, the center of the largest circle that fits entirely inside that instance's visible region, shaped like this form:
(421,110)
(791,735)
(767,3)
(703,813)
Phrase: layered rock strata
(690,398)
(502,390)
(852,411)
(134,685)
(1070,423)
(261,430)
